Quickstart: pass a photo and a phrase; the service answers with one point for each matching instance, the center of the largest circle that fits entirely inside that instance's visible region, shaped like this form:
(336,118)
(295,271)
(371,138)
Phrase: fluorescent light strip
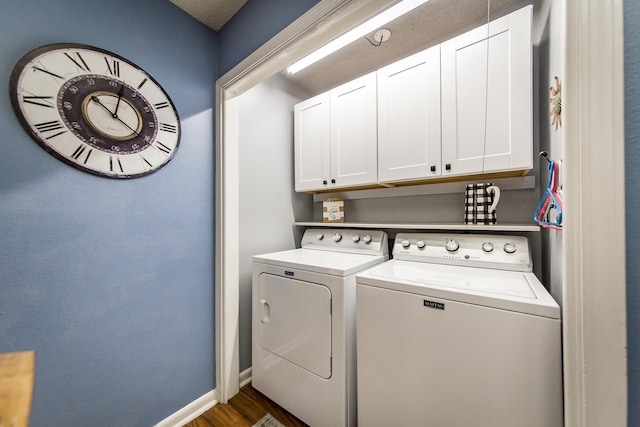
(354,34)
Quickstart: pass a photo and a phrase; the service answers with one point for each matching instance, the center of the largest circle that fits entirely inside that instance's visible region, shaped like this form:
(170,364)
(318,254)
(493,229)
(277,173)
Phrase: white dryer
(303,327)
(456,330)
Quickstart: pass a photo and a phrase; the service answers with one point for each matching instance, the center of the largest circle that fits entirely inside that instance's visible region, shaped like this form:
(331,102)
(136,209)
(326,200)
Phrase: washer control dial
(337,237)
(421,244)
(366,238)
(510,248)
(405,243)
(356,238)
(451,245)
(487,247)
(320,236)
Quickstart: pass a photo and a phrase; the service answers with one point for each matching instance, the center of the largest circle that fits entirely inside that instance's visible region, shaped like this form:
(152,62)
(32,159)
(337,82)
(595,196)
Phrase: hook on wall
(549,211)
(545,156)
(558,163)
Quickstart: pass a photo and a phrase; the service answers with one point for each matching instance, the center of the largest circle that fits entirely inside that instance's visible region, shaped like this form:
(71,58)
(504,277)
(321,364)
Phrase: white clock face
(95,110)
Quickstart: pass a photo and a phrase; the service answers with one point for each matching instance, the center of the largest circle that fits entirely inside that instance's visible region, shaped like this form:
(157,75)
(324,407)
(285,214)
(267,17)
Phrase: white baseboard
(199,406)
(190,412)
(245,377)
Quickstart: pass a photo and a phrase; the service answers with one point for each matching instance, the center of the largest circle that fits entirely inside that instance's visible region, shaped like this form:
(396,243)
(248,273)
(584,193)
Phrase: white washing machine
(303,327)
(456,330)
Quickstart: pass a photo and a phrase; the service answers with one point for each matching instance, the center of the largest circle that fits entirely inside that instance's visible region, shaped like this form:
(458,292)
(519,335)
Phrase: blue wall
(111,281)
(632,170)
(256,23)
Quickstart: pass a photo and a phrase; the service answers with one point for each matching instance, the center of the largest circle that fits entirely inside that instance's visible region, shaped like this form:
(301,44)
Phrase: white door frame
(594,310)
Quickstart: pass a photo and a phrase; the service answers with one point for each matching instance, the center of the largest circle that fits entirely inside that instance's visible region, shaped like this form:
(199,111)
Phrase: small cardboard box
(333,209)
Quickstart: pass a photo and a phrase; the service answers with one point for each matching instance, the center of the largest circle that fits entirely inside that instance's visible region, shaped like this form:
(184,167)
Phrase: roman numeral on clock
(168,128)
(81,64)
(160,105)
(160,146)
(47,72)
(51,126)
(79,151)
(112,165)
(38,100)
(113,67)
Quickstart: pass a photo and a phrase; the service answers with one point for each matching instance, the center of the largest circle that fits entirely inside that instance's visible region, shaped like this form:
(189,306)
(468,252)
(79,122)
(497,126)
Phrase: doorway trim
(594,266)
(594,310)
(312,30)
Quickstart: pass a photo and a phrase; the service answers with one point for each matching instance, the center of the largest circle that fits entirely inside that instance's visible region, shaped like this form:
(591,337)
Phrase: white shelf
(422,226)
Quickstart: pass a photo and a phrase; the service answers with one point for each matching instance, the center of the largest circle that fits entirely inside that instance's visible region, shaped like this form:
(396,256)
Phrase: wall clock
(95,110)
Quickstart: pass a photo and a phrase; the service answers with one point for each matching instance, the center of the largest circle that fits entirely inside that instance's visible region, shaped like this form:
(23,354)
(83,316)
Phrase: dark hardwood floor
(244,409)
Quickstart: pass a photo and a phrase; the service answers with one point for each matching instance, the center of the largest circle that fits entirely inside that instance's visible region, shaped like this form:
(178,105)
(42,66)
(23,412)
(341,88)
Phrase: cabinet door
(311,146)
(353,133)
(409,118)
(487,97)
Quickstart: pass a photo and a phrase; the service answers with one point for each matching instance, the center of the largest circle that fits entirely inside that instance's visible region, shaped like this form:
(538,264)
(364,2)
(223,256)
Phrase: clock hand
(97,100)
(120,92)
(130,128)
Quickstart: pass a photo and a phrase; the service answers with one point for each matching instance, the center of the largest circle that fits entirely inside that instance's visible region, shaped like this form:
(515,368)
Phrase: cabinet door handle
(324,182)
(433,168)
(333,181)
(448,166)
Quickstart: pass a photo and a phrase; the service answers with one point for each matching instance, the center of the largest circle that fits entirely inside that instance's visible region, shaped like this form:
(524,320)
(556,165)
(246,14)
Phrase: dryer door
(295,322)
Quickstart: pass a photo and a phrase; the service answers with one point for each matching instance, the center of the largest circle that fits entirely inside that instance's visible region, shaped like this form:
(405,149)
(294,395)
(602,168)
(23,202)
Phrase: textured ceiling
(425,26)
(212,13)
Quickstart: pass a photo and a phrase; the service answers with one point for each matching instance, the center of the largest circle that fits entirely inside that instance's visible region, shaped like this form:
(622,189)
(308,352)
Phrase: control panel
(368,242)
(472,250)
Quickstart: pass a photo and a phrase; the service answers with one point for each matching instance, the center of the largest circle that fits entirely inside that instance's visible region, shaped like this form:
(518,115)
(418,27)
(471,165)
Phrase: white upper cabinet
(461,108)
(311,146)
(409,118)
(487,98)
(354,153)
(336,137)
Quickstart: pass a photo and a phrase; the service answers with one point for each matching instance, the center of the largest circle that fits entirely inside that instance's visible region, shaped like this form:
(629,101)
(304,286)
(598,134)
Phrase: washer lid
(320,261)
(508,290)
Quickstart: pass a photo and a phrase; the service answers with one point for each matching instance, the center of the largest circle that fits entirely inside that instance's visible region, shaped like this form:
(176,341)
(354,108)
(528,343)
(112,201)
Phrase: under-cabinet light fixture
(374,23)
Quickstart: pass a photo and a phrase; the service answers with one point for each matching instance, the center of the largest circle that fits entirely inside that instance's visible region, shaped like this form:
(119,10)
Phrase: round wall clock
(95,110)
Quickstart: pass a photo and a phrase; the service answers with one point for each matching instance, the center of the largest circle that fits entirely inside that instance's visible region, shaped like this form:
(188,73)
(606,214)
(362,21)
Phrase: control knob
(337,237)
(451,245)
(421,244)
(487,247)
(405,243)
(356,238)
(320,236)
(510,248)
(366,238)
